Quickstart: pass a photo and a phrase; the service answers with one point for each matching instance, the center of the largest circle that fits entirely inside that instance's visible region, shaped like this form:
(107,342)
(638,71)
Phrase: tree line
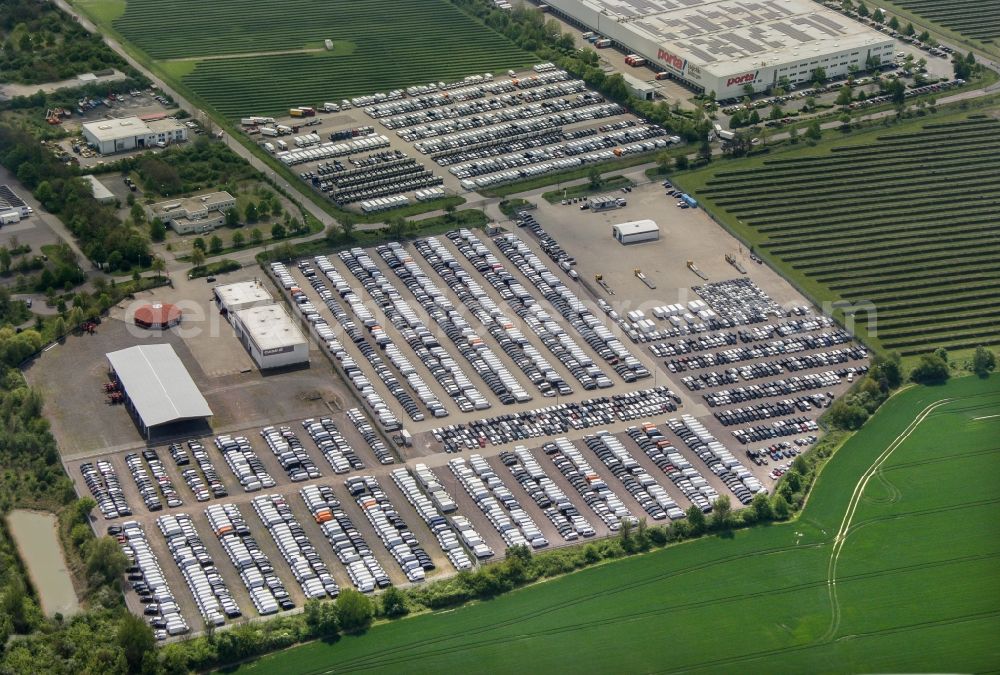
(103,237)
(39,43)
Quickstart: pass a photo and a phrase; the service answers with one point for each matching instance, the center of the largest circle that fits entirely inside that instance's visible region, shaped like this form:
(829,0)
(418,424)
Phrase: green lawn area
(902,221)
(378,45)
(917,580)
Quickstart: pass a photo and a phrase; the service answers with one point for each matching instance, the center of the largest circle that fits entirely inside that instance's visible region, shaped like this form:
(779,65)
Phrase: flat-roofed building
(122,134)
(241,295)
(273,339)
(199,213)
(726,45)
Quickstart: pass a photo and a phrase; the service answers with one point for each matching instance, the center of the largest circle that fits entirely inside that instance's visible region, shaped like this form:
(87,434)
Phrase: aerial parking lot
(387,149)
(495,392)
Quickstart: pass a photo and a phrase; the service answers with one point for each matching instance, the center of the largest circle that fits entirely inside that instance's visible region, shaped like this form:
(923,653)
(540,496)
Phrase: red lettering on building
(671,60)
(741,79)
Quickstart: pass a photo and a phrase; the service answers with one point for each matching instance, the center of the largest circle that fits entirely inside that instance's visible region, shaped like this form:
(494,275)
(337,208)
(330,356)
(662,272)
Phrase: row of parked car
(790,345)
(433,516)
(266,590)
(497,502)
(417,125)
(777,429)
(548,330)
(305,562)
(528,170)
(765,411)
(748,335)
(374,441)
(211,595)
(639,483)
(385,296)
(332,149)
(817,360)
(381,337)
(333,445)
(508,132)
(292,457)
(740,300)
(591,487)
(737,477)
(479,303)
(556,420)
(675,466)
(244,463)
(593,331)
(783,387)
(397,537)
(490,118)
(473,87)
(352,370)
(203,488)
(144,572)
(473,348)
(350,547)
(102,480)
(149,489)
(525,152)
(546,494)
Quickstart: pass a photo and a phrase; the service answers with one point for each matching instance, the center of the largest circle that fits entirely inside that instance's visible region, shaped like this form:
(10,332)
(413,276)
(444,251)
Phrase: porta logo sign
(672,60)
(742,79)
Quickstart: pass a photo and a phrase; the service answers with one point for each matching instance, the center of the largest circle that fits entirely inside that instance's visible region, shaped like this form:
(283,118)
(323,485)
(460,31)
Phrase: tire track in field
(852,507)
(964,618)
(921,512)
(940,459)
(629,617)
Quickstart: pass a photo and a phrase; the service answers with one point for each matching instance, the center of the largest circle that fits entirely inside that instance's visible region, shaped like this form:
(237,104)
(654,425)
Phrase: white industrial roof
(122,127)
(242,292)
(637,84)
(637,227)
(734,35)
(270,327)
(100,191)
(158,384)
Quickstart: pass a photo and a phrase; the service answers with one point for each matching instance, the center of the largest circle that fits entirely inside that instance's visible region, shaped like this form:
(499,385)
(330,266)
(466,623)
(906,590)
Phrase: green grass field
(904,220)
(261,59)
(904,518)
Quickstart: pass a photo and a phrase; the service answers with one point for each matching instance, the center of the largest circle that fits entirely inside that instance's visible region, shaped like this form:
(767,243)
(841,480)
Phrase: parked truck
(603,43)
(268,131)
(724,134)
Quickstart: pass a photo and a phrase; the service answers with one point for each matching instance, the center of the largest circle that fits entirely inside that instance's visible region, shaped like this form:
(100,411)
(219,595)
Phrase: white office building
(200,213)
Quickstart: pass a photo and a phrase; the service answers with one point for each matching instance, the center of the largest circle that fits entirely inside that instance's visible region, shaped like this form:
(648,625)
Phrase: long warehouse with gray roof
(725,45)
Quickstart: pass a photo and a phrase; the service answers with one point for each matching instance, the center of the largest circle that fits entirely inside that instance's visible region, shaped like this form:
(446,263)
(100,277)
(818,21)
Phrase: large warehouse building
(724,45)
(131,133)
(271,337)
(159,392)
